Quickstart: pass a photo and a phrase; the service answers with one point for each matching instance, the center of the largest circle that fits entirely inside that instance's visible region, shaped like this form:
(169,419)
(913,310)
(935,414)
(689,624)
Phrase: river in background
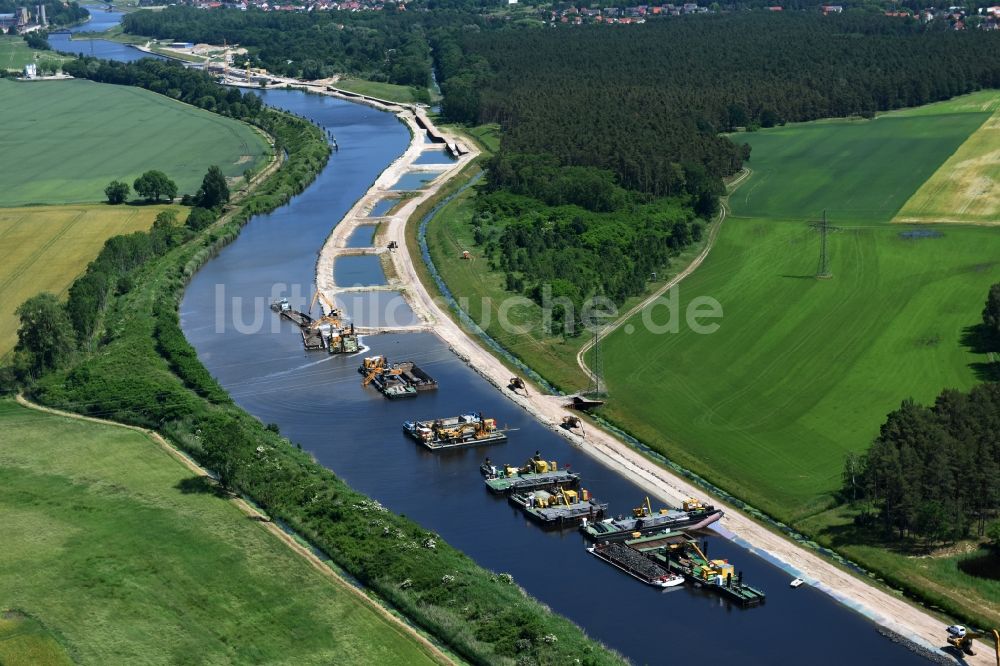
(100,21)
(318,402)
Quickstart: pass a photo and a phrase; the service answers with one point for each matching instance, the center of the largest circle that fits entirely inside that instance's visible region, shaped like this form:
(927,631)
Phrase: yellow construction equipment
(961,638)
(692,504)
(644,510)
(332,310)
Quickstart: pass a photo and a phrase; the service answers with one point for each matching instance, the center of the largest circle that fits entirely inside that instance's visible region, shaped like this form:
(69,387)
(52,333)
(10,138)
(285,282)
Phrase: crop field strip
(802,371)
(44,248)
(73,137)
(966,188)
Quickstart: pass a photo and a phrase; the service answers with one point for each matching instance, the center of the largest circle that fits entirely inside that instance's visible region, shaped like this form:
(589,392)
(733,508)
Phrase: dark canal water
(318,401)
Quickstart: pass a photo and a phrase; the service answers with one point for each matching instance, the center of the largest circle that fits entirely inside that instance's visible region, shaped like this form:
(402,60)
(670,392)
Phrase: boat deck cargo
(327,332)
(455,432)
(693,515)
(634,564)
(680,553)
(535,474)
(395,380)
(559,507)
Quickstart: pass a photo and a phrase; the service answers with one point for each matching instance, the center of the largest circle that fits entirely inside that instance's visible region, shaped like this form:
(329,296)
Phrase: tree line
(563,255)
(381,46)
(933,472)
(650,103)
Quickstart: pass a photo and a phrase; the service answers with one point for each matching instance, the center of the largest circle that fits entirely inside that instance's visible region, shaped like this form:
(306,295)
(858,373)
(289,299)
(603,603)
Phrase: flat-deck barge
(693,515)
(455,432)
(535,474)
(681,554)
(560,507)
(395,380)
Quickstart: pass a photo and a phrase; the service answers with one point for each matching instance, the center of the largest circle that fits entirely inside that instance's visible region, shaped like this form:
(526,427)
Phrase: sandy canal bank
(886,609)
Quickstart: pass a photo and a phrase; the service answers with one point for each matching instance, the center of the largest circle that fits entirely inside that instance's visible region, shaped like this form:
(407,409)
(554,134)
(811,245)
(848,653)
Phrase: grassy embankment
(387,91)
(15,54)
(117,549)
(74,137)
(144,372)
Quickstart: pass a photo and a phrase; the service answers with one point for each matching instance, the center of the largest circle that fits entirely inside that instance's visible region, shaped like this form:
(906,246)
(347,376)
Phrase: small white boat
(797,582)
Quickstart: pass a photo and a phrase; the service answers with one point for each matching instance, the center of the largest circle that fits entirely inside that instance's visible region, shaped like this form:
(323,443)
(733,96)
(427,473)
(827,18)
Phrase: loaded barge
(631,562)
(455,432)
(396,380)
(560,507)
(693,516)
(680,554)
(327,332)
(536,474)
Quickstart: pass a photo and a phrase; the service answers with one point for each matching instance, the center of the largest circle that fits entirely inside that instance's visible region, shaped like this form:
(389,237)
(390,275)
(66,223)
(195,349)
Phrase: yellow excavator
(961,638)
(332,310)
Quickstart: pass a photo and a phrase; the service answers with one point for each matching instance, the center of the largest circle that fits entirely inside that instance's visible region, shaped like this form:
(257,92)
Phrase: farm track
(670,284)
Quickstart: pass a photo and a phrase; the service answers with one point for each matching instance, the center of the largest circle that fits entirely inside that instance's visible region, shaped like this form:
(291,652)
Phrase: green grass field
(73,137)
(801,370)
(44,248)
(857,170)
(387,91)
(25,642)
(125,556)
(15,54)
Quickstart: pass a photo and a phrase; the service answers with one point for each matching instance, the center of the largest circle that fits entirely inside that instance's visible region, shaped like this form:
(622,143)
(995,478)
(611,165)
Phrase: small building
(8,21)
(31,71)
(832,9)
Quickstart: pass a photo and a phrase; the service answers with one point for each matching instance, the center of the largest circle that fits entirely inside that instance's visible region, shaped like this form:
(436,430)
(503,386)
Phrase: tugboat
(559,507)
(631,562)
(693,516)
(535,474)
(455,432)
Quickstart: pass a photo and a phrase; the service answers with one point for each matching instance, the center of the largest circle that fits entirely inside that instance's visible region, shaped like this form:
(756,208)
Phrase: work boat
(535,474)
(455,431)
(559,507)
(693,515)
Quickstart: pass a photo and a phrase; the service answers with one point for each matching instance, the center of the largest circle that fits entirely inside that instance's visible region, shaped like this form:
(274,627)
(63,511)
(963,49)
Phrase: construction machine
(961,638)
(517,384)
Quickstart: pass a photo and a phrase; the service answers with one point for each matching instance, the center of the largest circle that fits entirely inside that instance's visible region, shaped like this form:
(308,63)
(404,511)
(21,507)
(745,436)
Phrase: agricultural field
(15,54)
(801,370)
(44,248)
(124,556)
(857,170)
(966,188)
(69,139)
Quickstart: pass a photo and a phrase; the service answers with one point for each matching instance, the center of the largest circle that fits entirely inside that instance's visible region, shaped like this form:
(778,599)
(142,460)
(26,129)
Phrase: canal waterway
(318,402)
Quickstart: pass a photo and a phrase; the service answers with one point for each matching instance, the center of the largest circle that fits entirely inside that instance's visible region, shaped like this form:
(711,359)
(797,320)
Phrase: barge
(693,515)
(455,432)
(535,474)
(681,554)
(395,380)
(560,507)
(327,332)
(631,562)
